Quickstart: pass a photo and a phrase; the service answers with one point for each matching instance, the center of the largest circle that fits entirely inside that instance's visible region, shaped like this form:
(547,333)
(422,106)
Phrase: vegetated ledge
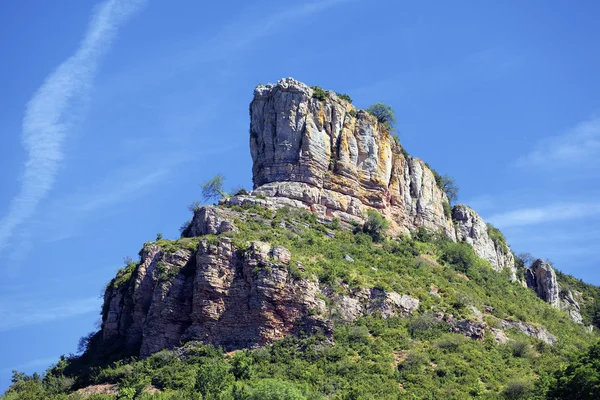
(256,276)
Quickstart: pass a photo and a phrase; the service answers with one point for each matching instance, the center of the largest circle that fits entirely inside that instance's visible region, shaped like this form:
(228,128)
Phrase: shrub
(384,114)
(520,349)
(497,237)
(275,389)
(375,225)
(459,255)
(353,112)
(344,96)
(517,389)
(447,209)
(319,93)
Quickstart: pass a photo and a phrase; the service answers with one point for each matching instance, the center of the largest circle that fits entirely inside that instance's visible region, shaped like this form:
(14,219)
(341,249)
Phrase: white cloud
(545,214)
(50,113)
(578,146)
(16,314)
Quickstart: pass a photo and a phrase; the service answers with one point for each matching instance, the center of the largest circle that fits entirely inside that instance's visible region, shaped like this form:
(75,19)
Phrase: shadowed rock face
(337,161)
(217,295)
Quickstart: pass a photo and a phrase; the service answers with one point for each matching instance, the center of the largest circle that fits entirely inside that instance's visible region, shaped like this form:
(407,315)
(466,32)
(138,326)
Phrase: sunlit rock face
(338,161)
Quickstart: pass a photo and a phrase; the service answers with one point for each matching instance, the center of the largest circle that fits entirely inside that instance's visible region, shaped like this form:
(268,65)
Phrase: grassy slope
(371,358)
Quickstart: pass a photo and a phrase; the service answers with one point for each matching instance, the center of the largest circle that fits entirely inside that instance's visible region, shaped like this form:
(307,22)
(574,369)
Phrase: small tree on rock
(213,188)
(384,114)
(449,186)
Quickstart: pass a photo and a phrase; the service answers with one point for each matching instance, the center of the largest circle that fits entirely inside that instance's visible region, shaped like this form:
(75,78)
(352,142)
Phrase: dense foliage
(372,358)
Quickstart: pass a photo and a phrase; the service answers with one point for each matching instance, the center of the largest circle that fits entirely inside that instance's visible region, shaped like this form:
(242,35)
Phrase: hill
(344,274)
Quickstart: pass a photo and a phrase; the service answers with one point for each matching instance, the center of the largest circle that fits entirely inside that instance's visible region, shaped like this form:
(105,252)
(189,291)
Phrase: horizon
(116,111)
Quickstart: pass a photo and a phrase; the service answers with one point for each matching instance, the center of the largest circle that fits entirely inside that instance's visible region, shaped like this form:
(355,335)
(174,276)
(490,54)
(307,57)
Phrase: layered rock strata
(337,160)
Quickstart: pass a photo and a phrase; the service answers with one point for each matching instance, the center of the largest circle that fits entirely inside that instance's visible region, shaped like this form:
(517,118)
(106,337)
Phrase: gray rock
(537,332)
(210,220)
(338,163)
(348,258)
(471,229)
(542,279)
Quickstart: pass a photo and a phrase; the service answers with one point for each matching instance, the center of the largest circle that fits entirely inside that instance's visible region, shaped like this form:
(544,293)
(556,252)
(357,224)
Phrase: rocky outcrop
(542,279)
(209,220)
(337,160)
(217,295)
(537,332)
(362,302)
(471,229)
(225,296)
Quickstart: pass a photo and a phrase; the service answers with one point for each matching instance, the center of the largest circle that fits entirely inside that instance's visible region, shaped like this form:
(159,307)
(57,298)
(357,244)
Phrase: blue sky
(113,112)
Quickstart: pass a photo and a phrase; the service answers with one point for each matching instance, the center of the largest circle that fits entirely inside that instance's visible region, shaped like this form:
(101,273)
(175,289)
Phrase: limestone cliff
(337,160)
(471,228)
(542,279)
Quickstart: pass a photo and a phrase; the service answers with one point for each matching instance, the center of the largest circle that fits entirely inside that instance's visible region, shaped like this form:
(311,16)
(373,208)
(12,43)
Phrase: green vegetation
(375,225)
(384,114)
(497,237)
(445,183)
(372,358)
(447,209)
(319,93)
(344,96)
(213,188)
(353,112)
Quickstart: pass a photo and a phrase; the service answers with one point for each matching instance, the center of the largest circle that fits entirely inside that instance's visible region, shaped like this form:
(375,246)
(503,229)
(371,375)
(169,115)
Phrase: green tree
(375,225)
(580,379)
(213,188)
(449,186)
(384,114)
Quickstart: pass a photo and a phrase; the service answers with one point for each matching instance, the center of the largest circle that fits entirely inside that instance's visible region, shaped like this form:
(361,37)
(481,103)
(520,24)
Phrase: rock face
(216,295)
(337,161)
(352,305)
(324,155)
(224,296)
(542,279)
(471,228)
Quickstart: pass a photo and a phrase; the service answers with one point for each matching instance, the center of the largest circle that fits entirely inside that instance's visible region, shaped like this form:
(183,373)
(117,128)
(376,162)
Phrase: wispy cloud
(51,112)
(18,314)
(576,147)
(31,365)
(545,214)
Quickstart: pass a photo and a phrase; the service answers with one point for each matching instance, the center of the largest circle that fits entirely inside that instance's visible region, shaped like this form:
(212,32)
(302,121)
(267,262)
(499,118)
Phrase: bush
(459,255)
(497,237)
(384,114)
(516,389)
(520,349)
(447,209)
(319,93)
(275,389)
(344,96)
(375,225)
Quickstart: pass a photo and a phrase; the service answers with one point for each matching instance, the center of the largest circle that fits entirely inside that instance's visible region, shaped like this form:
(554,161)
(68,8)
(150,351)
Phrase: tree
(527,258)
(375,225)
(213,188)
(384,114)
(449,186)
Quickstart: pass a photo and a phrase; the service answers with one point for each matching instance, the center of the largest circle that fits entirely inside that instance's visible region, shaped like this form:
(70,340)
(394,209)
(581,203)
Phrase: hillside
(344,274)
